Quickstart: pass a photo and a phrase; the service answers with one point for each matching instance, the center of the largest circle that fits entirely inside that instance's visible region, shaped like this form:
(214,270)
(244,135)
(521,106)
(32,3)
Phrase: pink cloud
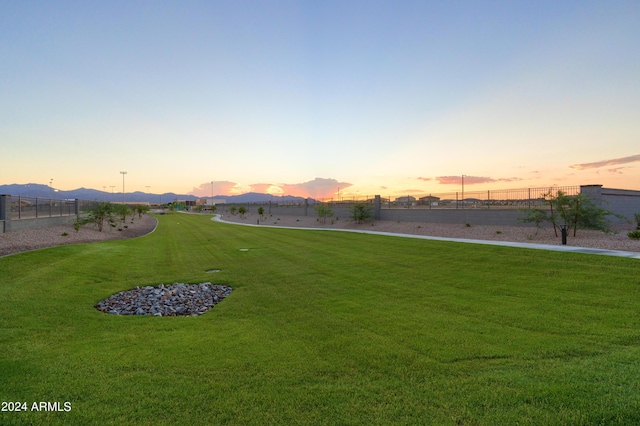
(261,188)
(614,162)
(472,180)
(425,179)
(318,188)
(218,188)
(616,170)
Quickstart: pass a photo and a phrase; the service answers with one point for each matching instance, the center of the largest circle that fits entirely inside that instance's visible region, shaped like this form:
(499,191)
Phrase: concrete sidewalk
(571,249)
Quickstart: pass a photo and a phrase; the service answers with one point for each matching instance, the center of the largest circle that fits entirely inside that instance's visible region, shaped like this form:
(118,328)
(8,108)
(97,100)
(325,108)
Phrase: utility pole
(463,191)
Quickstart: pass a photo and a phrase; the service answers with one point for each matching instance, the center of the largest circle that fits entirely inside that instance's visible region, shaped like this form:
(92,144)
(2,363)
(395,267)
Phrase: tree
(360,212)
(141,209)
(570,211)
(324,211)
(242,210)
(97,215)
(261,211)
(233,209)
(122,210)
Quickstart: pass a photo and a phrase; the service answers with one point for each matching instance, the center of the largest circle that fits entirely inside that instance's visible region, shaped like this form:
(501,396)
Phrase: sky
(319,98)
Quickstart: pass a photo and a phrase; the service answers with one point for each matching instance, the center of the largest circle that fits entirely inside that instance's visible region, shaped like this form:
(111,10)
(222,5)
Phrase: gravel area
(618,240)
(31,239)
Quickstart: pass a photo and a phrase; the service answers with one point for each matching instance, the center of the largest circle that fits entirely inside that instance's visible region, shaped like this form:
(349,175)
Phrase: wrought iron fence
(38,207)
(520,198)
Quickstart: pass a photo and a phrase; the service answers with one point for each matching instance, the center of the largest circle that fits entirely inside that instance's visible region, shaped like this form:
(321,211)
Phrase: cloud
(472,180)
(425,179)
(318,188)
(616,170)
(614,162)
(217,187)
(261,188)
(266,188)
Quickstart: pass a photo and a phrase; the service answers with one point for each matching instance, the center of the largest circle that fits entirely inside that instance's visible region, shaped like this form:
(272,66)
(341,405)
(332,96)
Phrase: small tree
(141,209)
(97,215)
(242,210)
(261,211)
(122,210)
(570,211)
(360,212)
(233,210)
(324,211)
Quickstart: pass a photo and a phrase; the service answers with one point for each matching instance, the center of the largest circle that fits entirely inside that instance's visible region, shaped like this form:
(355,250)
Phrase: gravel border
(617,240)
(34,239)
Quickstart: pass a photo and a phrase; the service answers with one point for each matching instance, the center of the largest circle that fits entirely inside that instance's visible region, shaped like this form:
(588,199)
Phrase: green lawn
(322,328)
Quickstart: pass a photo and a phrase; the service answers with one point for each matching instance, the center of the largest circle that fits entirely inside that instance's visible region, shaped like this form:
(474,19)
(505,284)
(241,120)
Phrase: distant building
(207,201)
(429,200)
(406,201)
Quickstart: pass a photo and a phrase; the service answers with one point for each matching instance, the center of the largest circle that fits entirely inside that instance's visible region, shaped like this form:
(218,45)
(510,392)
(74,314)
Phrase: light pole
(463,191)
(123,173)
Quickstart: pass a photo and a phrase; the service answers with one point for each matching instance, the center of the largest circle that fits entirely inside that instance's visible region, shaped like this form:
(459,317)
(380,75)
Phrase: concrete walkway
(585,250)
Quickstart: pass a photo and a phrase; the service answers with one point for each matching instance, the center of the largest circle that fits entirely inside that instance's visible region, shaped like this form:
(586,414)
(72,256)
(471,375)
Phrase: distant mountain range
(39,190)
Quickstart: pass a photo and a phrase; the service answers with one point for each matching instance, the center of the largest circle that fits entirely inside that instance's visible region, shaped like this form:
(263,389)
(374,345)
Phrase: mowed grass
(322,328)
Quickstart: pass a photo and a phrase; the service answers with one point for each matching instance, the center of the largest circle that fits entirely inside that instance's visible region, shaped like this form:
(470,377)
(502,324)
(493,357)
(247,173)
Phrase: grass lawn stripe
(322,328)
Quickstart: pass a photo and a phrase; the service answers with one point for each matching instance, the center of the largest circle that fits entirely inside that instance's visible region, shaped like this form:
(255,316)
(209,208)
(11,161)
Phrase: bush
(360,212)
(634,235)
(324,211)
(571,211)
(97,215)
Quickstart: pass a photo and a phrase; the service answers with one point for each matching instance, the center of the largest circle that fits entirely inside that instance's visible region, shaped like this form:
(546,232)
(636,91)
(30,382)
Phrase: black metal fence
(39,207)
(520,198)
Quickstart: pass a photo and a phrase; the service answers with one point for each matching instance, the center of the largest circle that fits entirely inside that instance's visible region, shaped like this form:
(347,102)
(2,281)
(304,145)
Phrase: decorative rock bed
(168,301)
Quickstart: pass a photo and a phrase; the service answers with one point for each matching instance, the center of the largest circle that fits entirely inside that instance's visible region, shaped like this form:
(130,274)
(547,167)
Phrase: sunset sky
(314,97)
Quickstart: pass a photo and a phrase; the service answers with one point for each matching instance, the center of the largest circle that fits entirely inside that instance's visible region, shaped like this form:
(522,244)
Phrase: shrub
(360,212)
(634,235)
(572,211)
(97,215)
(324,211)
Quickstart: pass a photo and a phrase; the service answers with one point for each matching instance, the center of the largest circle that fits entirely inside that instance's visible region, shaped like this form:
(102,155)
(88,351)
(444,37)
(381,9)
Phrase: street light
(123,173)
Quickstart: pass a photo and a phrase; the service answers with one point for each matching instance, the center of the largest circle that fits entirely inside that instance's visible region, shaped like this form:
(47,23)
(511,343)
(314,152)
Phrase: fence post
(77,207)
(376,207)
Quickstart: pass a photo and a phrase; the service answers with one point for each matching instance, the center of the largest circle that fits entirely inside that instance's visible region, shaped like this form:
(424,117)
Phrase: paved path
(586,250)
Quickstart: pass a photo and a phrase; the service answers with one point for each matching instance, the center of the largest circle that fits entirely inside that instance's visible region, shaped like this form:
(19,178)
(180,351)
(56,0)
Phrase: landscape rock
(175,300)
